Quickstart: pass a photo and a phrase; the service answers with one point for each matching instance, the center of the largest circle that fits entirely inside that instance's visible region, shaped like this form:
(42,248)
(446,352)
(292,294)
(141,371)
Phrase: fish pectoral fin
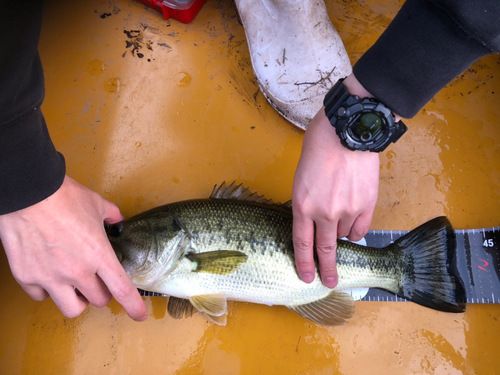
(333,310)
(221,262)
(211,304)
(219,320)
(179,307)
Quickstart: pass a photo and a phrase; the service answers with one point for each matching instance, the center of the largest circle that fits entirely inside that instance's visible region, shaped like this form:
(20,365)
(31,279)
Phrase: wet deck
(148,112)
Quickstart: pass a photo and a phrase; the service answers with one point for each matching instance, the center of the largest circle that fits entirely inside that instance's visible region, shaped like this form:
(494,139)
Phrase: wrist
(354,87)
(326,139)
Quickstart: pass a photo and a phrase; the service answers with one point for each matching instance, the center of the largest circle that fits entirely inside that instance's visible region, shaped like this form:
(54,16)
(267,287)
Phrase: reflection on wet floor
(149,111)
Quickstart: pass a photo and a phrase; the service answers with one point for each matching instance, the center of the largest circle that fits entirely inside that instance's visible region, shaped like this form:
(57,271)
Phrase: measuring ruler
(478,263)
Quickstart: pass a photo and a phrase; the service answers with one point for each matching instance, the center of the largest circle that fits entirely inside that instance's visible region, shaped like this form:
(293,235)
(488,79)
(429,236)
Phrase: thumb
(111,212)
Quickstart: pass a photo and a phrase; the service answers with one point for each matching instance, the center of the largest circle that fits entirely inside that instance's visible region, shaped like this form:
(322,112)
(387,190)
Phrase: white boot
(297,55)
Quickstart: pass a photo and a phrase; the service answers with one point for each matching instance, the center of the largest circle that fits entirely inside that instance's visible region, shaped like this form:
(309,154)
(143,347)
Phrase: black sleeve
(30,167)
(427,45)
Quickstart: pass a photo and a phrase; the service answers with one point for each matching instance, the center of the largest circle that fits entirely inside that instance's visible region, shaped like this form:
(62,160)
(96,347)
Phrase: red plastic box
(182,10)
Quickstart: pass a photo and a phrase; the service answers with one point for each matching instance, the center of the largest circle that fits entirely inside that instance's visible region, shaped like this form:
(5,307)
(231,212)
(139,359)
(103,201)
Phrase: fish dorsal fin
(211,304)
(333,310)
(179,307)
(221,262)
(241,193)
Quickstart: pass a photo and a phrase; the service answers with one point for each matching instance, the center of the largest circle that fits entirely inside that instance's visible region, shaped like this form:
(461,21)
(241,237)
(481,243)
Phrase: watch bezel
(347,132)
(343,109)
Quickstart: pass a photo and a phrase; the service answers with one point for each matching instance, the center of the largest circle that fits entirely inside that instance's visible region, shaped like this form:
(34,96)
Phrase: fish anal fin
(333,310)
(241,193)
(179,307)
(210,304)
(221,262)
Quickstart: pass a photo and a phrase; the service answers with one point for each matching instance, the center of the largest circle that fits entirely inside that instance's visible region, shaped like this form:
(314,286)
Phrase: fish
(237,245)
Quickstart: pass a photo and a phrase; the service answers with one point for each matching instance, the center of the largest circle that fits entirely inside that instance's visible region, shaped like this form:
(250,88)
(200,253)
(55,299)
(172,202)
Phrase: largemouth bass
(237,246)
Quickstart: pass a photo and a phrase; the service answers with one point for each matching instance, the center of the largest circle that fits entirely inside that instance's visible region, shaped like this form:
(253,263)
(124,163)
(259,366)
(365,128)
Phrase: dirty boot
(297,55)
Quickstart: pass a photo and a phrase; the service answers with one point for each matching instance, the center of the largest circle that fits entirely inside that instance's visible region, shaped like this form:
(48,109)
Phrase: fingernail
(330,282)
(307,277)
(141,318)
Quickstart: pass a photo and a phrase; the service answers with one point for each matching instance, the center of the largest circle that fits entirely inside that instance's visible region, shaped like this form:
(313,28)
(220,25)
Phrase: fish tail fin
(430,276)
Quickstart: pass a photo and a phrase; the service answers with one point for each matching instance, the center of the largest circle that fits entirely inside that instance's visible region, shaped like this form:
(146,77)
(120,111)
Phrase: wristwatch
(361,124)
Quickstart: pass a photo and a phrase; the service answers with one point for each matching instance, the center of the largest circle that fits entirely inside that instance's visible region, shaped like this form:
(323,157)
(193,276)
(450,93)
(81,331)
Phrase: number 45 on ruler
(488,243)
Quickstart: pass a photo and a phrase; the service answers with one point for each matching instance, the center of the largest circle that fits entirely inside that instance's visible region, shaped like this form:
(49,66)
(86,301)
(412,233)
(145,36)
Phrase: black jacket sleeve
(30,167)
(427,45)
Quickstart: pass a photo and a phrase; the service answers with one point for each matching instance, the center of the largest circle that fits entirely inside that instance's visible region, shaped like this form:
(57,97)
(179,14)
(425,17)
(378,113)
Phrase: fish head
(148,247)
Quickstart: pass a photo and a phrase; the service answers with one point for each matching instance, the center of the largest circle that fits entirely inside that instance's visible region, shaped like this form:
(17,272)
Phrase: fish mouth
(113,230)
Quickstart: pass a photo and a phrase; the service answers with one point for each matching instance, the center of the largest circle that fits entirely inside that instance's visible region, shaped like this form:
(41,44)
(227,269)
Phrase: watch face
(367,126)
(361,124)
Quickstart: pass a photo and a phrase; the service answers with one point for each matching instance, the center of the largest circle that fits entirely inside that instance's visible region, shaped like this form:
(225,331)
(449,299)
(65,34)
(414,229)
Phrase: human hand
(60,244)
(335,190)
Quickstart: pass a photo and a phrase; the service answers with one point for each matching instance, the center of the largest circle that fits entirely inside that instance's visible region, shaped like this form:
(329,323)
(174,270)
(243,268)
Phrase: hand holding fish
(334,190)
(60,244)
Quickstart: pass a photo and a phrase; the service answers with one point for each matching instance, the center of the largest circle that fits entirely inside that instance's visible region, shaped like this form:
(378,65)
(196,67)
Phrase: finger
(80,295)
(361,226)
(122,288)
(94,290)
(345,225)
(67,300)
(326,248)
(35,292)
(111,213)
(303,245)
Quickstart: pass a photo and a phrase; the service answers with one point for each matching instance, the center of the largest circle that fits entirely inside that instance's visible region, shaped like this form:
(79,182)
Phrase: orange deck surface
(187,115)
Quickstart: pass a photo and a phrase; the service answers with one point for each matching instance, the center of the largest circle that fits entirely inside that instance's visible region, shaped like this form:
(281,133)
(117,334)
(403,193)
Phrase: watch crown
(341,112)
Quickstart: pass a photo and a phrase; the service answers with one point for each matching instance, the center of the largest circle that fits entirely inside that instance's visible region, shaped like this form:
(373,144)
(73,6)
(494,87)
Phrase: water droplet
(95,67)
(183,79)
(112,85)
(390,154)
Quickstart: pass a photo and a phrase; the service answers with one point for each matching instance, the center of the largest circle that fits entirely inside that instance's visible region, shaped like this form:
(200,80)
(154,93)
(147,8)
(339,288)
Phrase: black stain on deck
(136,42)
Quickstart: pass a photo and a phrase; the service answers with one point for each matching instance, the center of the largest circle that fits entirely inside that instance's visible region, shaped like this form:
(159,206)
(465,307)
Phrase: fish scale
(236,223)
(244,223)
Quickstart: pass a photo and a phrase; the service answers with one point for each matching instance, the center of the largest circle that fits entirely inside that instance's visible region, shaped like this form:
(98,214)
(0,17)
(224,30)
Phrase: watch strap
(334,99)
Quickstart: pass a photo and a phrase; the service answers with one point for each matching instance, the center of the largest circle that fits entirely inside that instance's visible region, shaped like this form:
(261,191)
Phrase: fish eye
(114,230)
